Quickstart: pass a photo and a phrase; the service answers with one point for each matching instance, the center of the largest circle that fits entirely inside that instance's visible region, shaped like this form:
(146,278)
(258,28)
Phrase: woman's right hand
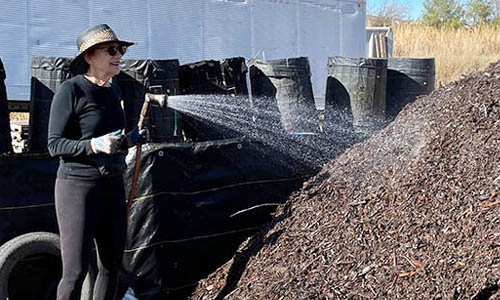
(109,143)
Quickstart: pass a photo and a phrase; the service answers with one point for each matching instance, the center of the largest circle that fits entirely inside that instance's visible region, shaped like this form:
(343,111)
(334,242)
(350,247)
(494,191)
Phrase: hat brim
(78,65)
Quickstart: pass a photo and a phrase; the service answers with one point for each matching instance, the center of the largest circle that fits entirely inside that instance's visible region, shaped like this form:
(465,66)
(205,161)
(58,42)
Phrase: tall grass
(457,52)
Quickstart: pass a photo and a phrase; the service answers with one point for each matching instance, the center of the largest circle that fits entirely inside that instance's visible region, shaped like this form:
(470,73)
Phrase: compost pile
(411,213)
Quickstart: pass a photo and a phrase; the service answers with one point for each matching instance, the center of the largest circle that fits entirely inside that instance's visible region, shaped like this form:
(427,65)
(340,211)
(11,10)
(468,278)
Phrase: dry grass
(457,51)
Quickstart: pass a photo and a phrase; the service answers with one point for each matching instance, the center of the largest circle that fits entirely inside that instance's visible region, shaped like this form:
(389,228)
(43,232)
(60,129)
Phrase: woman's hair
(85,65)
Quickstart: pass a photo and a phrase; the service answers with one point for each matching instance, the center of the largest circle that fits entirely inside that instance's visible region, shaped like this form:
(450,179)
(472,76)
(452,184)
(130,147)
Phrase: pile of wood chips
(411,213)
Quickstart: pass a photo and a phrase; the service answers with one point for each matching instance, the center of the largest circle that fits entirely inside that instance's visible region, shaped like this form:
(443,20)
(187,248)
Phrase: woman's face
(105,59)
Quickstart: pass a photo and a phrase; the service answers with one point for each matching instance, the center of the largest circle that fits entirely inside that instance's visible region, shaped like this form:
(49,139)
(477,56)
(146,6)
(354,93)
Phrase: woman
(85,131)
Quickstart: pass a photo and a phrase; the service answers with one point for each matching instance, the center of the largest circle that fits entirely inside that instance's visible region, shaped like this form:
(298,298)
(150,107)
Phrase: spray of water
(329,132)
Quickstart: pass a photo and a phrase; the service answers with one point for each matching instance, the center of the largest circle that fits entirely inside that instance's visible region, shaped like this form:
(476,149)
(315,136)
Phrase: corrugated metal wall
(188,30)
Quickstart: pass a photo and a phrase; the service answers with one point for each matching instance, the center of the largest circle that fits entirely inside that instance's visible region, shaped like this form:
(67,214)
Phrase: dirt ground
(411,213)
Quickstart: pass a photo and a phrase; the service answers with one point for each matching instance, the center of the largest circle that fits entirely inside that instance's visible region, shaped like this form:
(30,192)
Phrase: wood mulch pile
(411,213)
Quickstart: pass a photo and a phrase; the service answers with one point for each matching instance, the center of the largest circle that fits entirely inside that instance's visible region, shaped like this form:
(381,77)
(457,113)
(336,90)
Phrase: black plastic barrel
(47,74)
(5,138)
(211,77)
(227,76)
(408,78)
(358,85)
(289,82)
(135,78)
(234,71)
(203,77)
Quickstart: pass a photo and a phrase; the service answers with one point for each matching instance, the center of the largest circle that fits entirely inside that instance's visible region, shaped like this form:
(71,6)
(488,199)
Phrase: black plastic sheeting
(358,85)
(27,194)
(289,81)
(408,78)
(136,76)
(196,202)
(47,74)
(5,138)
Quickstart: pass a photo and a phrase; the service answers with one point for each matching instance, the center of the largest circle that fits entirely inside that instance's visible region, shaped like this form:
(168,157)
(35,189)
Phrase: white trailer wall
(189,30)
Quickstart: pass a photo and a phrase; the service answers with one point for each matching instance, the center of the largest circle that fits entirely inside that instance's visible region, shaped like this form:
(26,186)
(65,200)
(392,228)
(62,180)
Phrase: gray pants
(87,211)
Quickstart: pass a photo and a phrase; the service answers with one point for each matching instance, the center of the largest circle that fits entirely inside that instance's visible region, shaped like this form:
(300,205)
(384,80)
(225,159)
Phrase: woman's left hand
(137,136)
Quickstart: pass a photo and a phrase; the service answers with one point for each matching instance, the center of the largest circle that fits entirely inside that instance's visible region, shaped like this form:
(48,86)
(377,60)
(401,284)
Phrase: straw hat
(90,38)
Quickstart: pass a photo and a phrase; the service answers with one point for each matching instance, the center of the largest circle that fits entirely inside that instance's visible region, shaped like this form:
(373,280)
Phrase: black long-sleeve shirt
(80,111)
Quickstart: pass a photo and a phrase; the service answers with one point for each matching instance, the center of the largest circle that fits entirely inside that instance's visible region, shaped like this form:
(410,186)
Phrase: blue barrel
(357,85)
(408,78)
(5,138)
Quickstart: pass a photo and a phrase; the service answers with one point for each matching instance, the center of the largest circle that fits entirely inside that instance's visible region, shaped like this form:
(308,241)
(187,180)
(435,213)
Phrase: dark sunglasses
(112,50)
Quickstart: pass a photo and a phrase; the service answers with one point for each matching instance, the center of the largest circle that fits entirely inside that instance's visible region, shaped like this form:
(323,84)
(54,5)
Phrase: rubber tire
(23,246)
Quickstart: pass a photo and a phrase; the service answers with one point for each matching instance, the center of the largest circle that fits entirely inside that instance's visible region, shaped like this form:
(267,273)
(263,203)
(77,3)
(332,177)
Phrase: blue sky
(414,7)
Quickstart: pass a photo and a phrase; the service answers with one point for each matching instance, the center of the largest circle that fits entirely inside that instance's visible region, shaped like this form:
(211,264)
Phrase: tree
(480,12)
(389,14)
(443,13)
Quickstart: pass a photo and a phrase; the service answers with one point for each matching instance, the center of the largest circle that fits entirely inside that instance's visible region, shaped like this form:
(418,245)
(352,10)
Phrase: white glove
(109,143)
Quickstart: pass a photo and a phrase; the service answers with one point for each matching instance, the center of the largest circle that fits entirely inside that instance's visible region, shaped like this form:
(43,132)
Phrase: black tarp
(136,76)
(47,74)
(5,138)
(27,194)
(195,204)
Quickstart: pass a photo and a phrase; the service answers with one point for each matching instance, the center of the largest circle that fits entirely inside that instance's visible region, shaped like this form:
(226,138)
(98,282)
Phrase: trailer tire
(19,257)
(27,247)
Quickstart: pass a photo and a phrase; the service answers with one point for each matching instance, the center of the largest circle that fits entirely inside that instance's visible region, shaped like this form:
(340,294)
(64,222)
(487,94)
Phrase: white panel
(188,30)
(14,48)
(274,29)
(53,28)
(320,37)
(128,19)
(353,25)
(227,29)
(176,30)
